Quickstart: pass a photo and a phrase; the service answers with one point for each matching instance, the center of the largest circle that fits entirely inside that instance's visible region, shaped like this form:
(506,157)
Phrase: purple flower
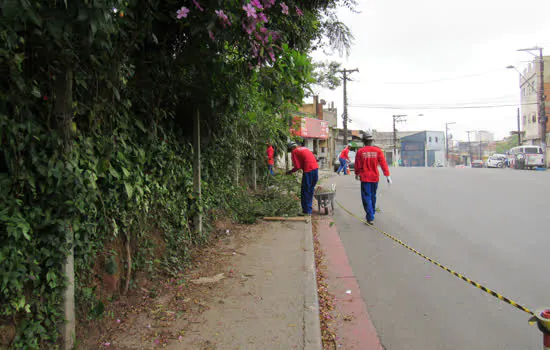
(263,30)
(211,35)
(262,17)
(250,11)
(284,7)
(198,5)
(182,12)
(299,12)
(272,55)
(256,4)
(223,18)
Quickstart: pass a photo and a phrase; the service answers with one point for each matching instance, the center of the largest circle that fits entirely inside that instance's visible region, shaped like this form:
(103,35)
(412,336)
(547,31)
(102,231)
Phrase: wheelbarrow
(325,198)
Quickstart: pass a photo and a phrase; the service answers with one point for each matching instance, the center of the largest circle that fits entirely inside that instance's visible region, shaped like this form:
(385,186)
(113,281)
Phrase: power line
(441,80)
(436,107)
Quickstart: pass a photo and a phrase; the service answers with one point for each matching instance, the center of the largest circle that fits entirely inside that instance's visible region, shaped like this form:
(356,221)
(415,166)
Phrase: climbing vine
(96,106)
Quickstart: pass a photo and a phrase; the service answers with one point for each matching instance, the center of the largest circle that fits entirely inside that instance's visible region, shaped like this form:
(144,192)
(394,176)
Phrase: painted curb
(359,332)
(312,324)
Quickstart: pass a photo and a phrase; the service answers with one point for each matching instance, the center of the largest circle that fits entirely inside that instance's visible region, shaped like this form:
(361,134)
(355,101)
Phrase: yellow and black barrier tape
(462,277)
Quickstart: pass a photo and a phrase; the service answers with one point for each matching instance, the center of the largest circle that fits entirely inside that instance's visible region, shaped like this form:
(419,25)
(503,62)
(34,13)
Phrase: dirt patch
(158,312)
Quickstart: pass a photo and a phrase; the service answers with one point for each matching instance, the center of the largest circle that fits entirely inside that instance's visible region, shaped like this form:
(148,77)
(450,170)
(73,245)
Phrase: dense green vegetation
(97,99)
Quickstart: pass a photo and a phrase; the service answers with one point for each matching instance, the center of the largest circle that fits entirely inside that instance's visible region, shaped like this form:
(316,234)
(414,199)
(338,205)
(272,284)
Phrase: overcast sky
(443,53)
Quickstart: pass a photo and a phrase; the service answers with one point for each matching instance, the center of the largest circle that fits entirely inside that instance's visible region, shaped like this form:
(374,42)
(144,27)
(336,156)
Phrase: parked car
(496,162)
(351,156)
(477,164)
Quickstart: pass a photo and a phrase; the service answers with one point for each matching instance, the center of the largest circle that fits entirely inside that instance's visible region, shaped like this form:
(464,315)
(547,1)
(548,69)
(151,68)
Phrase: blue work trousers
(343,163)
(368,195)
(309,180)
(270,169)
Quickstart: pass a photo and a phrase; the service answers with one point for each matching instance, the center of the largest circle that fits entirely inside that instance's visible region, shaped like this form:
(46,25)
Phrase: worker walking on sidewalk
(367,161)
(344,159)
(270,158)
(303,159)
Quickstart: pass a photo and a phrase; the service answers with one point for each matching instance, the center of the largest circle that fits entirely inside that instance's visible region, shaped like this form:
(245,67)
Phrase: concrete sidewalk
(271,300)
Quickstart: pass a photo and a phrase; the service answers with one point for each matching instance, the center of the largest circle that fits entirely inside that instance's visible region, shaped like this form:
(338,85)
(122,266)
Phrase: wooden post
(197,167)
(254,163)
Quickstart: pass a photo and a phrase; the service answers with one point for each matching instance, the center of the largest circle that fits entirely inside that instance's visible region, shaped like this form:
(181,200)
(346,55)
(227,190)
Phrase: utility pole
(396,119)
(480,148)
(469,146)
(447,141)
(345,116)
(541,99)
(519,131)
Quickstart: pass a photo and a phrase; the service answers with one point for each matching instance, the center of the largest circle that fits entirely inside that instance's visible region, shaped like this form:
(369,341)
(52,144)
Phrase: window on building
(436,139)
(430,139)
(534,118)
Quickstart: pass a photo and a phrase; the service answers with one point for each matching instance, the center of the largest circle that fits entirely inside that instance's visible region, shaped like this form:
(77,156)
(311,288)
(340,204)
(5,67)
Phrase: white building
(484,136)
(529,82)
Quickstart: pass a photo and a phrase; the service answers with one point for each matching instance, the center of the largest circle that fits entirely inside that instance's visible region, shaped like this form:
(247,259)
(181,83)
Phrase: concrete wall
(435,140)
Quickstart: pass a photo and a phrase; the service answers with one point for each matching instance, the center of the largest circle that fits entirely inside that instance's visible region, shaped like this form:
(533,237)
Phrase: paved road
(489,224)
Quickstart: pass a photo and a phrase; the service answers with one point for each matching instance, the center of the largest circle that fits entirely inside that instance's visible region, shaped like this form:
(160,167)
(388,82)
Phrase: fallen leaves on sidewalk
(326,299)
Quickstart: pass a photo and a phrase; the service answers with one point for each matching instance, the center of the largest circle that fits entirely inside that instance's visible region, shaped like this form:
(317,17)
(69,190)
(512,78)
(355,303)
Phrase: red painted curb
(354,328)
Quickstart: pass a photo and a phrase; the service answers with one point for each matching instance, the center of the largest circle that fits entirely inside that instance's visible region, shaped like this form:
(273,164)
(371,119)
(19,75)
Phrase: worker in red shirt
(270,158)
(303,159)
(344,159)
(367,161)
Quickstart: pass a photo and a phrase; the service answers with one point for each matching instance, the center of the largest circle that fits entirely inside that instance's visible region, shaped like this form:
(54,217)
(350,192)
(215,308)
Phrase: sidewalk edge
(312,324)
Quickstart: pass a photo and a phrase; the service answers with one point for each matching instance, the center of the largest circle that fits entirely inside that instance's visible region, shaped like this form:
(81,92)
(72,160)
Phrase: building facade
(529,83)
(423,149)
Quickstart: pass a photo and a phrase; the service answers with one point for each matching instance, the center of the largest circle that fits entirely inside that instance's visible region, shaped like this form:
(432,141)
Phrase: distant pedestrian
(367,161)
(303,159)
(344,159)
(270,158)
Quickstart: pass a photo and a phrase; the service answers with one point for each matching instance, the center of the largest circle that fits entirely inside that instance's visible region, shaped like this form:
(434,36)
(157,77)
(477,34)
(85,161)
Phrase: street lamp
(447,141)
(524,78)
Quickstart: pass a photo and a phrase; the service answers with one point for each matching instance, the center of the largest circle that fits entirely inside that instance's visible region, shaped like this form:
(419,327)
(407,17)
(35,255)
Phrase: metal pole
(394,141)
(396,119)
(542,112)
(447,143)
(519,131)
(469,147)
(197,168)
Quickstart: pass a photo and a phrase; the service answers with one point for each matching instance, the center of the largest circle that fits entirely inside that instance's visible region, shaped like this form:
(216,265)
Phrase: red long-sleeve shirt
(270,154)
(303,158)
(367,160)
(345,153)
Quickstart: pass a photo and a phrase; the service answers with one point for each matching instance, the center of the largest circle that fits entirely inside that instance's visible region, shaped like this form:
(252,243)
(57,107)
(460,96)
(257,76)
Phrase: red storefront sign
(310,128)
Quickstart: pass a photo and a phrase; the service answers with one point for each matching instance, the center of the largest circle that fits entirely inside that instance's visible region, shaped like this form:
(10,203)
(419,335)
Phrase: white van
(534,157)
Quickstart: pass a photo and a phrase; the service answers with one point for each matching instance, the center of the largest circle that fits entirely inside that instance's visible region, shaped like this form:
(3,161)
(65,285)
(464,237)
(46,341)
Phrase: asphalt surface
(488,224)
